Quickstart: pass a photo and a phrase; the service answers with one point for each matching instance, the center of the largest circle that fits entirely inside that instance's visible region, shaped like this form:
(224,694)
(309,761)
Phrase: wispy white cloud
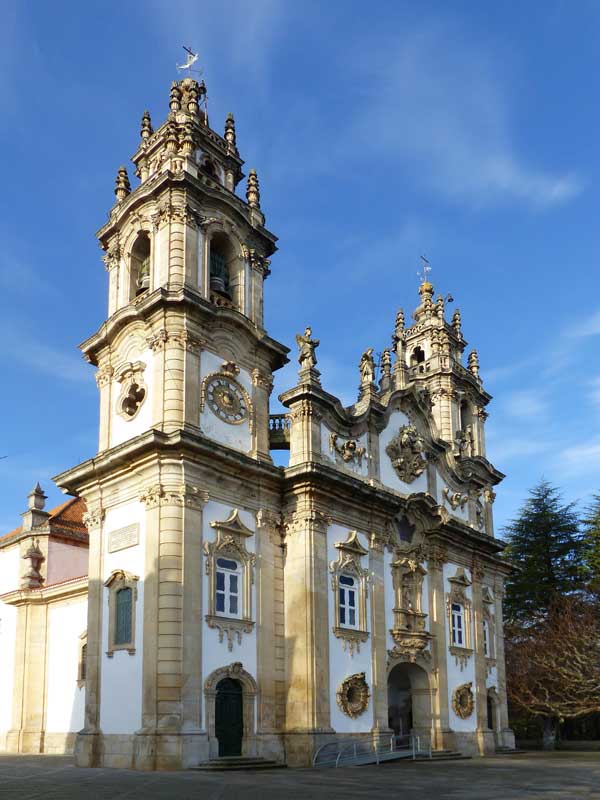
(435,100)
(525,404)
(581,458)
(510,448)
(589,327)
(22,348)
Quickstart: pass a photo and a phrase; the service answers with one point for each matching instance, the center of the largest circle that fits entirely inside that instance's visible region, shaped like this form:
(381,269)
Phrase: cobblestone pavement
(527,777)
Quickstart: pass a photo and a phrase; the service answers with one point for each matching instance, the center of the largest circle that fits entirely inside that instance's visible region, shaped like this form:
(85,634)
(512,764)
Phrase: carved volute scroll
(349,564)
(353,695)
(406,454)
(230,542)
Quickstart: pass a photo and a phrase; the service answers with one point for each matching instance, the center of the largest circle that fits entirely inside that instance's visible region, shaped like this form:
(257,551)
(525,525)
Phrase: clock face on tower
(226,400)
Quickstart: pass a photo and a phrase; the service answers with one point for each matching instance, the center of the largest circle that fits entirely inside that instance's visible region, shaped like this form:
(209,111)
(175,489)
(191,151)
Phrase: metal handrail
(355,751)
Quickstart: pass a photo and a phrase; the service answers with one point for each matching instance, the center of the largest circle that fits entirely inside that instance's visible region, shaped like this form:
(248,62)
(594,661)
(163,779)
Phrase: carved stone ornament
(33,578)
(353,695)
(455,499)
(406,454)
(133,389)
(463,701)
(348,451)
(409,634)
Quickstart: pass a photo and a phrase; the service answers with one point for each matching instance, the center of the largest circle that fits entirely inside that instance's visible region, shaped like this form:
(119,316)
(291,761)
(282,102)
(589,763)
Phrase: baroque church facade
(193,600)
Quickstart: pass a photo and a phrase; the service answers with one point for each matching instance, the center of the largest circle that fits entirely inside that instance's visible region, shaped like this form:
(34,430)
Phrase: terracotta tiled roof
(66,516)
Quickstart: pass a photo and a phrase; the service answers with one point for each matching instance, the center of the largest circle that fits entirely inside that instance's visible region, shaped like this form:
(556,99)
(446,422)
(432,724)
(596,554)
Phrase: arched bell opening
(139,266)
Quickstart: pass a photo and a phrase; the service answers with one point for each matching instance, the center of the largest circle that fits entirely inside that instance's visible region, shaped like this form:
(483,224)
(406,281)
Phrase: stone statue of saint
(367,367)
(307,345)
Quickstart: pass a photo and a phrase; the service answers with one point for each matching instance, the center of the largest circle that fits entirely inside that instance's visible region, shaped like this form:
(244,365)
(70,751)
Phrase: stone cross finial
(230,133)
(252,190)
(473,364)
(146,130)
(122,185)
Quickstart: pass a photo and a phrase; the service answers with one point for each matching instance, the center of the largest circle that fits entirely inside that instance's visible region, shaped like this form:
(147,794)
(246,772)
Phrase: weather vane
(189,63)
(426,270)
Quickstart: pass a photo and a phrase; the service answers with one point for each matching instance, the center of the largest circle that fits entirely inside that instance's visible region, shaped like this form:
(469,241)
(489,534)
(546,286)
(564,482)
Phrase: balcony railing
(279,431)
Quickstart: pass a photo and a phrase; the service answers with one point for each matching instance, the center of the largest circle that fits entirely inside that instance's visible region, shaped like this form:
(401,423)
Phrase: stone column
(378,636)
(88,745)
(268,608)
(485,737)
(306,635)
(194,746)
(508,736)
(438,628)
(263,386)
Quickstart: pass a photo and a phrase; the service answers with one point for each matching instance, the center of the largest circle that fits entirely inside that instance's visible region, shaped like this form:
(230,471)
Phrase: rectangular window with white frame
(228,587)
(347,602)
(458,625)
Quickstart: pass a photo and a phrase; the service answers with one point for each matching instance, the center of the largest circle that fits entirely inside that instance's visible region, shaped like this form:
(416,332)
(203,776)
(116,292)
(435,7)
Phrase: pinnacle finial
(473,364)
(146,130)
(36,497)
(230,133)
(400,323)
(253,190)
(122,185)
(457,324)
(175,97)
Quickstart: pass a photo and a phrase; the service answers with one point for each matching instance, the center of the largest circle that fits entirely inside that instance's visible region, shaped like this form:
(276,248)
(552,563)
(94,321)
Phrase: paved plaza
(529,776)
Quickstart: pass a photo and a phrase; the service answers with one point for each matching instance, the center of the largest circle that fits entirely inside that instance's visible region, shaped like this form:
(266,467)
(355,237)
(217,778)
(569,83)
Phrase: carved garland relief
(348,451)
(463,701)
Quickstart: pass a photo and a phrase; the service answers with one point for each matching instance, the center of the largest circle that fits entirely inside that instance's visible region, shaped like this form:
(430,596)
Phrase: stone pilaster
(485,737)
(508,737)
(262,388)
(88,747)
(307,635)
(378,636)
(438,628)
(305,432)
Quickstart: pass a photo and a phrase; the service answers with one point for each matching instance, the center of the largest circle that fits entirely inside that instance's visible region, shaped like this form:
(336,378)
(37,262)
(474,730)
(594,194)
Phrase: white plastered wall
(216,654)
(341,663)
(10,564)
(121,675)
(65,701)
(236,436)
(456,675)
(388,475)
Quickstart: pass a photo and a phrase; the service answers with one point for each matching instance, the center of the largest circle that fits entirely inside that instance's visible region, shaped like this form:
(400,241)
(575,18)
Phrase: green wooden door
(229,718)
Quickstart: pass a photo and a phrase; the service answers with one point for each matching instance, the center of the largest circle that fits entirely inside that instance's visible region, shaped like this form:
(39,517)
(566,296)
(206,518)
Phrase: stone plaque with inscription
(123,537)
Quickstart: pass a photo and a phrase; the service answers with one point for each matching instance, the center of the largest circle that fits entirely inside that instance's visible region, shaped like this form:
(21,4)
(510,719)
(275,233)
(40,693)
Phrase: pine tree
(591,538)
(546,546)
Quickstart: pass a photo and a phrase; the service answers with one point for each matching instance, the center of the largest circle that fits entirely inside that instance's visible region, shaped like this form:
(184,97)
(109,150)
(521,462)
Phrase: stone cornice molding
(76,587)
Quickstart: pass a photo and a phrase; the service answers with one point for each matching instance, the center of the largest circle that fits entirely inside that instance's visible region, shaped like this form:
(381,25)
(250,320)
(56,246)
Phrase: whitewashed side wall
(456,675)
(121,694)
(328,454)
(216,654)
(9,580)
(122,429)
(387,473)
(236,436)
(66,561)
(341,663)
(65,700)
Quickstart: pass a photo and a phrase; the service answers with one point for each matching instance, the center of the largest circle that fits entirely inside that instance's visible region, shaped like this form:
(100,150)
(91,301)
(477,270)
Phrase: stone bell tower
(184,371)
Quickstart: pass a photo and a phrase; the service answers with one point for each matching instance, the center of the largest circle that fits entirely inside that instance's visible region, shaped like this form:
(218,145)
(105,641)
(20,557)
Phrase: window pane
(83,662)
(233,604)
(220,601)
(123,616)
(352,617)
(227,563)
(345,580)
(233,584)
(220,581)
(351,598)
(342,597)
(342,615)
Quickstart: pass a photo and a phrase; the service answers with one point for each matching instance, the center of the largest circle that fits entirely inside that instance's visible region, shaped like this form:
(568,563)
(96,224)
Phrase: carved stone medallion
(406,454)
(463,701)
(353,695)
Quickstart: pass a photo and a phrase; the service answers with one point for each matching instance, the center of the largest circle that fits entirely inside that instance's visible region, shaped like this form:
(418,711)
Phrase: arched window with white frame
(228,589)
(458,625)
(348,601)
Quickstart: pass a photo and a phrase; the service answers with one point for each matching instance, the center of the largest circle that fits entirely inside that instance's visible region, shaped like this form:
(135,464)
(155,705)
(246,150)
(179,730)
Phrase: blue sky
(465,131)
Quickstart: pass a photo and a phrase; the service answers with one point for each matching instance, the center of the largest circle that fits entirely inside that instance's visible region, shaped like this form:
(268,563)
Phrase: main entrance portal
(409,700)
(229,717)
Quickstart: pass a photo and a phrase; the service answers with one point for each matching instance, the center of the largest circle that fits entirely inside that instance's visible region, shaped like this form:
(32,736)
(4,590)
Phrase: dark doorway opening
(400,718)
(229,717)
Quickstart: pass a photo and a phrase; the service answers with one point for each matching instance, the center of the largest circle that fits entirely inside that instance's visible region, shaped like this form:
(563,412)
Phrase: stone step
(238,763)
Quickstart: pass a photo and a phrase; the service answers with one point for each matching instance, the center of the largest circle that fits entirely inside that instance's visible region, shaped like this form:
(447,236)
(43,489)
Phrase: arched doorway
(229,717)
(409,700)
